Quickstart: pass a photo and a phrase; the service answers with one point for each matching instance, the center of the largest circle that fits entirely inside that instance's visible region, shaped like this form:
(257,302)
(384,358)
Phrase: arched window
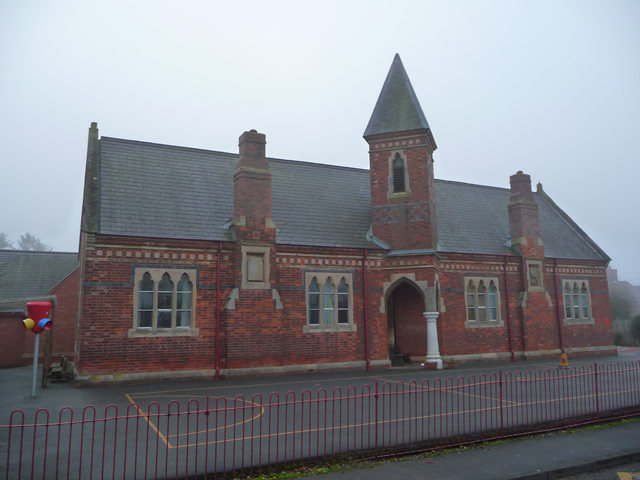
(145,302)
(398,175)
(584,301)
(483,302)
(471,301)
(567,301)
(577,302)
(183,307)
(165,302)
(493,301)
(314,302)
(343,302)
(328,302)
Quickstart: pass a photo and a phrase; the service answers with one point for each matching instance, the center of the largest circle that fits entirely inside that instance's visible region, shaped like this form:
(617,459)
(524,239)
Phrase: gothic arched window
(329,302)
(145,302)
(482,301)
(399,184)
(164,300)
(577,301)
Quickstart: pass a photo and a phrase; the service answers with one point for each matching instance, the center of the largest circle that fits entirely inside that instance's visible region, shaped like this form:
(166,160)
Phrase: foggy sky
(548,87)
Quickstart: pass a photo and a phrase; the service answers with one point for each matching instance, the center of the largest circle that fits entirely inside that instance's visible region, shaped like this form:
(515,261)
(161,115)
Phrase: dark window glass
(585,301)
(164,319)
(328,303)
(165,295)
(145,302)
(567,301)
(183,307)
(576,301)
(343,302)
(145,319)
(482,302)
(471,301)
(314,303)
(398,175)
(493,303)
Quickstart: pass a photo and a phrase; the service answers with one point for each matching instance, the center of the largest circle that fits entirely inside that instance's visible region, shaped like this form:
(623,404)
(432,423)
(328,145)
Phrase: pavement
(546,456)
(551,455)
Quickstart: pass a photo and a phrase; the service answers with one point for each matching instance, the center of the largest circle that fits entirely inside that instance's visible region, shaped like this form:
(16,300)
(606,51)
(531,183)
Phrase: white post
(433,351)
(36,349)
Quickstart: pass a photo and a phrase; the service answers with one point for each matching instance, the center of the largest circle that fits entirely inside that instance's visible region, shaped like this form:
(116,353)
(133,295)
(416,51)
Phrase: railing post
(595,365)
(376,418)
(501,406)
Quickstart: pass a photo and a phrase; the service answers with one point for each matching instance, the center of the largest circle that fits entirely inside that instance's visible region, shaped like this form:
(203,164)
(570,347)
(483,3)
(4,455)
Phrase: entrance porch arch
(408,303)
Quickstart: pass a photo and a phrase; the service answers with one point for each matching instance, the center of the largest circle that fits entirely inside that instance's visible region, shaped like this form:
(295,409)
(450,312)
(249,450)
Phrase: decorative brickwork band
(400,213)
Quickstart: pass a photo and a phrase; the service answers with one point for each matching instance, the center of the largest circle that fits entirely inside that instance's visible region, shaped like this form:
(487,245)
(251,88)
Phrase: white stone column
(433,351)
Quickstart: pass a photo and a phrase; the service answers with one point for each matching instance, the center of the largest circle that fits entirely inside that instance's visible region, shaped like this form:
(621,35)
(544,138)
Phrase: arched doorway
(407,328)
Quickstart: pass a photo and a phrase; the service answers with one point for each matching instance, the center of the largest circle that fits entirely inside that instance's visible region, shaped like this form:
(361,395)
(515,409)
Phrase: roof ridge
(477,185)
(318,164)
(277,159)
(166,145)
(45,252)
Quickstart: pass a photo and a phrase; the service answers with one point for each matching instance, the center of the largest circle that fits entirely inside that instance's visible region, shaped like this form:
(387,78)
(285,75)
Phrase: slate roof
(475,219)
(160,191)
(31,274)
(397,108)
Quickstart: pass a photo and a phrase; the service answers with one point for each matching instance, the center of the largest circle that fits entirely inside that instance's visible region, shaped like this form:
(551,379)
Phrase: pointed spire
(398,108)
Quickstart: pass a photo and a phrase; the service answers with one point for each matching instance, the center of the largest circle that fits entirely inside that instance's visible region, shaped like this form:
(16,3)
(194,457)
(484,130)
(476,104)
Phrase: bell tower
(401,146)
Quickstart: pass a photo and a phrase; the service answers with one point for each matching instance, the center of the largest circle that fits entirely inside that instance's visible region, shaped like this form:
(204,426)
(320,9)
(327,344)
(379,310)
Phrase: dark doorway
(407,327)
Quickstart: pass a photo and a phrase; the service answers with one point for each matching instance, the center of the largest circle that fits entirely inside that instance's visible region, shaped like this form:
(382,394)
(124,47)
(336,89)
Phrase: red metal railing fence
(233,436)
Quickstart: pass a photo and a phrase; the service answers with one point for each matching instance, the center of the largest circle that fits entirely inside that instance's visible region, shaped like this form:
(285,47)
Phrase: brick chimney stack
(252,190)
(524,221)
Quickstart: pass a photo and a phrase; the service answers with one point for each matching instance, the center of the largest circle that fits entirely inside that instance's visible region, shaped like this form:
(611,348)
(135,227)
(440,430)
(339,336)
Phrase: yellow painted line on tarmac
(336,428)
(248,385)
(144,415)
(430,417)
(452,389)
(166,438)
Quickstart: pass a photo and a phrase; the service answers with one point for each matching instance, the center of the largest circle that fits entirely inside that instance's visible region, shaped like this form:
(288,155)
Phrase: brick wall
(13,339)
(255,333)
(534,327)
(404,222)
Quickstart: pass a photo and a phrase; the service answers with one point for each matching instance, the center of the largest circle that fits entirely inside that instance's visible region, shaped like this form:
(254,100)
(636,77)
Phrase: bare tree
(31,242)
(5,243)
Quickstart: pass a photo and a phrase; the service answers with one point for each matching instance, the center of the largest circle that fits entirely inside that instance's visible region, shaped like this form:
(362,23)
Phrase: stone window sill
(178,332)
(477,324)
(578,321)
(328,328)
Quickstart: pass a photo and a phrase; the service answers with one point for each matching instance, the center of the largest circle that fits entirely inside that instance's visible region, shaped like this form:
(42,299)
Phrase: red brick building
(203,263)
(27,276)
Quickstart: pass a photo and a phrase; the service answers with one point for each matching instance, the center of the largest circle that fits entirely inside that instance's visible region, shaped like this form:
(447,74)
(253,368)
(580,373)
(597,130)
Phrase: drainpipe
(558,311)
(506,292)
(218,311)
(524,289)
(366,311)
